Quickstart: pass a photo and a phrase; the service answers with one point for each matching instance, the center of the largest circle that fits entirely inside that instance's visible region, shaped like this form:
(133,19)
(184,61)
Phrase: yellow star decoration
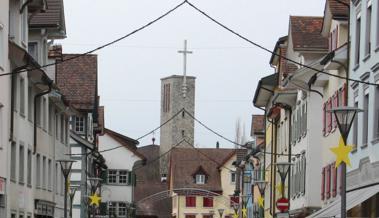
(342,152)
(235,215)
(280,187)
(260,201)
(95,199)
(244,212)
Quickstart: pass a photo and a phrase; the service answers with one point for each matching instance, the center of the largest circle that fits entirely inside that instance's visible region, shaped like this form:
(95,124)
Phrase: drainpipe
(289,157)
(50,82)
(272,147)
(13,85)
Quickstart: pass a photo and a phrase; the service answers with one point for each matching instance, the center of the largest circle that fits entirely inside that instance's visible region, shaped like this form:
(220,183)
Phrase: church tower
(177,92)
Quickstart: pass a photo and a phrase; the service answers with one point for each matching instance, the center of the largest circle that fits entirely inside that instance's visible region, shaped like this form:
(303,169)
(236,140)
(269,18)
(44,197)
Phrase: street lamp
(283,168)
(345,117)
(72,195)
(261,186)
(220,212)
(66,168)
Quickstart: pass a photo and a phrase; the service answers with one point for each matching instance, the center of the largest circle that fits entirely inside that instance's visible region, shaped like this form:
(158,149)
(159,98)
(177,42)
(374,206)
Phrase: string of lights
(139,138)
(104,45)
(271,52)
(213,20)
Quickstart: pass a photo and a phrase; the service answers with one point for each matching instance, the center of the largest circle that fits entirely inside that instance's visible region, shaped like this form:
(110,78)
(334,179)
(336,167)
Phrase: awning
(285,97)
(353,198)
(265,90)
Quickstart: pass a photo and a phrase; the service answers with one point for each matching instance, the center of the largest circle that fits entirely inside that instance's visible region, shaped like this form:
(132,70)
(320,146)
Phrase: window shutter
(323,184)
(329,115)
(130,178)
(104,176)
(335,104)
(323,119)
(344,103)
(103,208)
(334,176)
(328,182)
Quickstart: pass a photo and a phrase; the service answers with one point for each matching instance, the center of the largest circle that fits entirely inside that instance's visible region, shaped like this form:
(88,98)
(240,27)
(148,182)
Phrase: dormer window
(200,179)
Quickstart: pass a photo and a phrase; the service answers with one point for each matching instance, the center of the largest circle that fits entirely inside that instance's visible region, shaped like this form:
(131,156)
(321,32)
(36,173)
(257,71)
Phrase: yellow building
(202,181)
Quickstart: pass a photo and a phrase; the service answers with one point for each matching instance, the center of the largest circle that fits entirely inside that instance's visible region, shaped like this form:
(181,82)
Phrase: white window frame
(112,175)
(126,176)
(79,124)
(200,179)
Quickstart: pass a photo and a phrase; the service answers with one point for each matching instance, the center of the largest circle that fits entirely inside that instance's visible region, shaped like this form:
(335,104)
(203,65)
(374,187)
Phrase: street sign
(282,204)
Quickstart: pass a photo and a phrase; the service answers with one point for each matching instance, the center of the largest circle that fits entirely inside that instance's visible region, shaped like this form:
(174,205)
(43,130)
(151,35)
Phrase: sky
(226,67)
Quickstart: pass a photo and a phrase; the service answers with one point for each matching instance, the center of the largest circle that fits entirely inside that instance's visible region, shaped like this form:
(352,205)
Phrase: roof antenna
(153,139)
(217,145)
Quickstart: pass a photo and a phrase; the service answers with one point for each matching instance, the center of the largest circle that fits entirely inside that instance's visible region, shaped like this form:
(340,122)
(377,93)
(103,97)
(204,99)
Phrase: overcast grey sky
(227,68)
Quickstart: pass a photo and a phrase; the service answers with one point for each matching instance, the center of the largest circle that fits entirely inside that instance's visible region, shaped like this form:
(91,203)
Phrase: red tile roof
(337,9)
(77,79)
(52,17)
(148,183)
(129,143)
(185,161)
(306,33)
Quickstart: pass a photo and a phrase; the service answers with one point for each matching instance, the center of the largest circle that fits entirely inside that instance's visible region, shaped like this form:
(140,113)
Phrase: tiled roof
(77,79)
(52,17)
(185,161)
(127,142)
(306,33)
(337,9)
(149,183)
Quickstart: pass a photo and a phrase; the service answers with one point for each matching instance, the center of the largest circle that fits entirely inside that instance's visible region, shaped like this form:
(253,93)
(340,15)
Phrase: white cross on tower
(185,52)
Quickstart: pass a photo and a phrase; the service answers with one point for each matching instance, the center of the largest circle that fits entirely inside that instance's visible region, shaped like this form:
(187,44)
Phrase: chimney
(217,145)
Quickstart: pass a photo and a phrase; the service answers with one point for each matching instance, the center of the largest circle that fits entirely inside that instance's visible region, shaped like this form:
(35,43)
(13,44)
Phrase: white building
(35,128)
(117,185)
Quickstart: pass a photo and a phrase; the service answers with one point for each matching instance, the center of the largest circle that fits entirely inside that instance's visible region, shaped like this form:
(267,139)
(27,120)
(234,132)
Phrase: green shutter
(103,208)
(130,178)
(104,176)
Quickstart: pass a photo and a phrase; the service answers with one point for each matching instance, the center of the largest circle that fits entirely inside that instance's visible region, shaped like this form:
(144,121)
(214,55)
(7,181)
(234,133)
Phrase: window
(2,55)
(44,114)
(190,201)
(79,124)
(200,179)
(38,175)
(190,216)
(38,108)
(112,208)
(22,96)
(13,161)
(233,177)
(112,176)
(51,119)
(355,128)
(21,166)
(357,40)
(166,98)
(24,27)
(368,31)
(30,103)
(376,114)
(122,209)
(62,128)
(44,172)
(29,166)
(123,177)
(56,125)
(49,174)
(365,119)
(33,50)
(207,201)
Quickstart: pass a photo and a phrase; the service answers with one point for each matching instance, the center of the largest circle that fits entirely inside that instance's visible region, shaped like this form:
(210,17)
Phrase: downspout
(272,147)
(13,85)
(50,82)
(274,171)
(289,157)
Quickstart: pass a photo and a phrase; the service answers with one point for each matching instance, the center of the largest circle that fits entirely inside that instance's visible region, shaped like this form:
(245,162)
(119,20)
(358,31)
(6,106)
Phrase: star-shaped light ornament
(342,153)
(260,201)
(244,212)
(95,199)
(280,187)
(235,215)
